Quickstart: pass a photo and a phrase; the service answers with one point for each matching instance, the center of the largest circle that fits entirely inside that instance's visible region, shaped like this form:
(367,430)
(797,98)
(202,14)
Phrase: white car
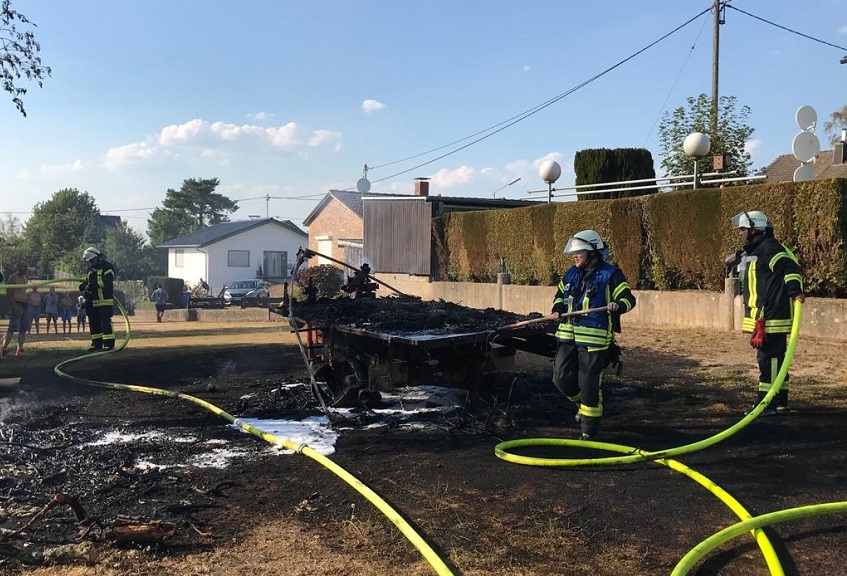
(238,290)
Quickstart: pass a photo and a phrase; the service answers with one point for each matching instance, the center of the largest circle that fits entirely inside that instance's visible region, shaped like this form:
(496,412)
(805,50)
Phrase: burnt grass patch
(486,515)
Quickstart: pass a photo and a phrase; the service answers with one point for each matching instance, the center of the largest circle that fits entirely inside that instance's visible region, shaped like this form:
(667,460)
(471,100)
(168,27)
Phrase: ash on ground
(403,315)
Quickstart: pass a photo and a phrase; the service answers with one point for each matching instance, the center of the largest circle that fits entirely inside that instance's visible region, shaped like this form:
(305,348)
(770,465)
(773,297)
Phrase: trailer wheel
(348,378)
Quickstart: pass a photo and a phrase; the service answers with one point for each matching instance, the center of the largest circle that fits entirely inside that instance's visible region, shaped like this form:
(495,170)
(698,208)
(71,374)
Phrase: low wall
(823,317)
(211,315)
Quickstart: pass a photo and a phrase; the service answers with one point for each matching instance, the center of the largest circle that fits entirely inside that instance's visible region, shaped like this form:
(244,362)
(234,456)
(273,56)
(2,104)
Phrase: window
(276,264)
(238,259)
(179,258)
(324,248)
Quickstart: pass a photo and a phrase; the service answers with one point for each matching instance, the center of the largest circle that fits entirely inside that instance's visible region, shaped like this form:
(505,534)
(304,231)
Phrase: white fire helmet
(752,219)
(585,240)
(91,253)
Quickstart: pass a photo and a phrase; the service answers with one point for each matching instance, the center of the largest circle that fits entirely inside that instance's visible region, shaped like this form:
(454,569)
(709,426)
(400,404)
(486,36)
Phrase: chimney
(421,186)
(838,154)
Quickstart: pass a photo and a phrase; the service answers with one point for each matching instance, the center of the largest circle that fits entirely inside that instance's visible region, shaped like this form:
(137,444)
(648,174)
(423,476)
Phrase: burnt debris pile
(402,315)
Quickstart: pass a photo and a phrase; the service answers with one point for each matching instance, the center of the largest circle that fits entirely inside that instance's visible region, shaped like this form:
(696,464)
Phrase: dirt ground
(266,512)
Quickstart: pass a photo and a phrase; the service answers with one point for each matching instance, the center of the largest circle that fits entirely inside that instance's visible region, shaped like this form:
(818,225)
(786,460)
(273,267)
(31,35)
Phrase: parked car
(238,290)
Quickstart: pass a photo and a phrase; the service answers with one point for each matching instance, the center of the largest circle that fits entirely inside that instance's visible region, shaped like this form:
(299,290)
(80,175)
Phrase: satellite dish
(805,146)
(806,117)
(804,173)
(363,185)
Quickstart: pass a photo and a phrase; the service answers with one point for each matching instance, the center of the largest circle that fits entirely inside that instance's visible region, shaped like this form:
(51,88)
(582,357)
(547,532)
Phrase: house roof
(110,221)
(353,201)
(782,169)
(350,199)
(223,230)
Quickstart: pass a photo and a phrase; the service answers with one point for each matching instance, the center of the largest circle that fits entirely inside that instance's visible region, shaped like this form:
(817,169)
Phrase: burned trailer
(360,344)
(361,347)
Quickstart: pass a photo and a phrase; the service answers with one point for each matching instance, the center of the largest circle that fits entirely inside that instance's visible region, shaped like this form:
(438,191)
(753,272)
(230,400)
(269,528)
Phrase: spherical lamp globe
(696,144)
(550,171)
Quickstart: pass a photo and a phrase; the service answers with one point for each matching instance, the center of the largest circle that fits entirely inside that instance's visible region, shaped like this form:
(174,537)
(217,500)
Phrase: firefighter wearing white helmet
(771,279)
(590,298)
(98,292)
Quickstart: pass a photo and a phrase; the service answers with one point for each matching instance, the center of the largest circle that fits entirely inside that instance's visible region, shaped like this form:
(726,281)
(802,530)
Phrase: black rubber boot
(590,426)
(769,410)
(782,401)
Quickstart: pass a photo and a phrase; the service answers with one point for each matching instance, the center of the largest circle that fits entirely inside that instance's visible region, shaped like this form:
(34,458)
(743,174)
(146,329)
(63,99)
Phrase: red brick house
(336,226)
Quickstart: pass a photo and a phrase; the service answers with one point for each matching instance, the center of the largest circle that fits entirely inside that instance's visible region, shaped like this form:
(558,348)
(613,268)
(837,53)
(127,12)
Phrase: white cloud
(325,138)
(526,68)
(260,116)
(557,156)
(284,136)
(752,147)
(55,170)
(180,133)
(130,153)
(370,105)
(246,138)
(445,178)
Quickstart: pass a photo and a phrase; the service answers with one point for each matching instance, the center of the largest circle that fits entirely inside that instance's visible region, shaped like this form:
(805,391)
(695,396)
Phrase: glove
(757,340)
(732,259)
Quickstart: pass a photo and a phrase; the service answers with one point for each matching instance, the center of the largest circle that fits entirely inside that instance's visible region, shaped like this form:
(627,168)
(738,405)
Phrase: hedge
(669,241)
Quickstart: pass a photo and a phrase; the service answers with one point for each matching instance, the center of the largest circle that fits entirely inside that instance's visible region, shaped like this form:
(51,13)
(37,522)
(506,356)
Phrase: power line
(526,114)
(676,81)
(784,28)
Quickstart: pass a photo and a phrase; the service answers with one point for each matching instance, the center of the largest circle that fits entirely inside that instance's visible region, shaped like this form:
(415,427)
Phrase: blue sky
(290,99)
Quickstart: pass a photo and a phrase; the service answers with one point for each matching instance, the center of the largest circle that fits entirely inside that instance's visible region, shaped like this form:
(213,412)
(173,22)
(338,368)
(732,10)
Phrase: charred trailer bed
(358,363)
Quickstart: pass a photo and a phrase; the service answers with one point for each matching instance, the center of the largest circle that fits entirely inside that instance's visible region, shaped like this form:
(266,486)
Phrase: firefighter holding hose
(586,342)
(98,290)
(771,279)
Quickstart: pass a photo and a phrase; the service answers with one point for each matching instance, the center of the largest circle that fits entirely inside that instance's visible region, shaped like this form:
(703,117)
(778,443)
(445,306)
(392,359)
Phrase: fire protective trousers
(770,358)
(577,374)
(100,326)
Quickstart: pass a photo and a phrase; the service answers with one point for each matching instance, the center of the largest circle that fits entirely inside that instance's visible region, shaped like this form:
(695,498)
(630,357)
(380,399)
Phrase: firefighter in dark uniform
(586,343)
(771,279)
(99,298)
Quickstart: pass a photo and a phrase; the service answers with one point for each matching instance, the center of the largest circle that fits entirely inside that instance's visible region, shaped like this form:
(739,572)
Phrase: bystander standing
(65,306)
(51,309)
(17,310)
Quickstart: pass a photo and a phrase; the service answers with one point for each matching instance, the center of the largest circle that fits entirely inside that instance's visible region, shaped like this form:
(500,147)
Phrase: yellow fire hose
(396,518)
(632,455)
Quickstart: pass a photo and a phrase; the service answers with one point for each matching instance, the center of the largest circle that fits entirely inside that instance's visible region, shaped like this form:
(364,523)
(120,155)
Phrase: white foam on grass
(314,432)
(122,437)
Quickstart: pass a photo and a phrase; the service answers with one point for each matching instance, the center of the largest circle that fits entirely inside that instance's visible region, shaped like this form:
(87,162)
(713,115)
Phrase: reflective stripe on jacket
(100,284)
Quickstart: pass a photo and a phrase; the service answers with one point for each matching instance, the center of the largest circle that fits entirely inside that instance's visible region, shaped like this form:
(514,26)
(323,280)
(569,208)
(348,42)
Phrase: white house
(237,250)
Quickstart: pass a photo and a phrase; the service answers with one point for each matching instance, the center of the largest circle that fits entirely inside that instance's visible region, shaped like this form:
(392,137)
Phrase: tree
(601,165)
(193,207)
(837,122)
(60,228)
(733,134)
(129,252)
(11,249)
(18,55)
(10,228)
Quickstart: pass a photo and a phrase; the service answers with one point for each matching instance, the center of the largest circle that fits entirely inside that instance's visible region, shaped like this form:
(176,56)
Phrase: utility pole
(716,43)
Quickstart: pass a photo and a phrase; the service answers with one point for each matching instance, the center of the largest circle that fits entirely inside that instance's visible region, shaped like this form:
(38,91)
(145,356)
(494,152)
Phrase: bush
(326,279)
(174,287)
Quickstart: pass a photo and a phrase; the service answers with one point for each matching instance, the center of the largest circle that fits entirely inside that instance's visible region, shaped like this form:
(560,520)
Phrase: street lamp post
(696,145)
(550,172)
(515,181)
